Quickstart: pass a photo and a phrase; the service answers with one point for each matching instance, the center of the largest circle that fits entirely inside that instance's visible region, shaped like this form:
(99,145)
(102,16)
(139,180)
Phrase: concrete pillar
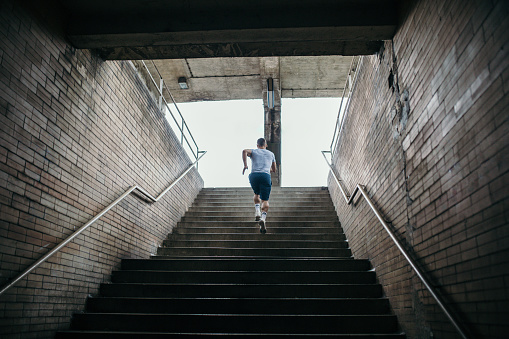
(273,137)
(271,94)
(272,113)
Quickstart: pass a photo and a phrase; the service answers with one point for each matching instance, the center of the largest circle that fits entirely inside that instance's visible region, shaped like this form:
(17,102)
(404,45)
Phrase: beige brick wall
(76,132)
(440,173)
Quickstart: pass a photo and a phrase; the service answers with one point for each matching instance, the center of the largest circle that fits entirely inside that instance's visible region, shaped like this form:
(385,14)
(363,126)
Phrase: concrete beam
(161,29)
(262,49)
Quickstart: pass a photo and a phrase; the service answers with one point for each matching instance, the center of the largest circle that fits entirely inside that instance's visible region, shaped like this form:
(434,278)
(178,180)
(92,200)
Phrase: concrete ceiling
(244,78)
(176,29)
(226,49)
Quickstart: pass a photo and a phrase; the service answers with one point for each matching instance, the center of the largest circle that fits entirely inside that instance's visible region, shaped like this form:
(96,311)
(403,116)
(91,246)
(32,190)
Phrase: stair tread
(234,315)
(245,271)
(264,238)
(299,299)
(245,220)
(353,335)
(250,256)
(254,259)
(232,323)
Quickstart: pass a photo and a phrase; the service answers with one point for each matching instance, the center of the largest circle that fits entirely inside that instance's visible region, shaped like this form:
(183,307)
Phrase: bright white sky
(225,128)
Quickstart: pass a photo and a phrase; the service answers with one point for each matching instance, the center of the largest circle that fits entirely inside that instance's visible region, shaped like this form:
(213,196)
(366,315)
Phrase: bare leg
(258,212)
(265,206)
(256,199)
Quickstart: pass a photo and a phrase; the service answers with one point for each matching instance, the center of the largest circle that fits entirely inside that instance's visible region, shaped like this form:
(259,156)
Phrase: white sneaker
(258,215)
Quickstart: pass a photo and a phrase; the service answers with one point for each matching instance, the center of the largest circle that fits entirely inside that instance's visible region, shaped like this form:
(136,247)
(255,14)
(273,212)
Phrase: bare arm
(273,168)
(245,153)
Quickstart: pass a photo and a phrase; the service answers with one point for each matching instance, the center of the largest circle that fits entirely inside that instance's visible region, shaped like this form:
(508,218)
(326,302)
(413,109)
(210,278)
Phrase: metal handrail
(137,190)
(339,124)
(362,189)
(181,129)
(341,105)
(183,124)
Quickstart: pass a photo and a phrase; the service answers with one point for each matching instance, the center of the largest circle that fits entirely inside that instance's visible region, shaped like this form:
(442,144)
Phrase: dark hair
(260,142)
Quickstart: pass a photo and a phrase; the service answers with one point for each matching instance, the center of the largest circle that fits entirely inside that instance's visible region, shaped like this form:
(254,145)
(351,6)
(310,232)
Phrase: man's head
(261,143)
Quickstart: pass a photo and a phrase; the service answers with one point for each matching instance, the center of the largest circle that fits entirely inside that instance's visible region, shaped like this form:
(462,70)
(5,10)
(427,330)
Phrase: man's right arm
(273,168)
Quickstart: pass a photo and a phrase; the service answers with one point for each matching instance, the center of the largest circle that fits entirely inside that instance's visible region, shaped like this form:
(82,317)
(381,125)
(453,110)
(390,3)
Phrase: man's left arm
(273,168)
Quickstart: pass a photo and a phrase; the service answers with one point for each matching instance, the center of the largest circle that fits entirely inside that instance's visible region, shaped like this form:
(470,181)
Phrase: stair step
(249,209)
(288,306)
(204,227)
(230,290)
(274,191)
(288,200)
(275,188)
(254,244)
(256,235)
(248,189)
(296,204)
(273,196)
(249,213)
(150,335)
(253,264)
(244,277)
(271,218)
(254,224)
(235,323)
(260,252)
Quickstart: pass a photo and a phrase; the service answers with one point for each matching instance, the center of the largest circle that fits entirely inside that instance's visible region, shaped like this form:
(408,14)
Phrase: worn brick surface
(441,177)
(76,132)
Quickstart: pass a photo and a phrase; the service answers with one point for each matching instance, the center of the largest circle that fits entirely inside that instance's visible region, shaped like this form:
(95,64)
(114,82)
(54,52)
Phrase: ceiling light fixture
(183,83)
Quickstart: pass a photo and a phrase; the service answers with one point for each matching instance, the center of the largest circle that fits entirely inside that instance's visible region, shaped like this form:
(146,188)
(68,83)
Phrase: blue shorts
(261,184)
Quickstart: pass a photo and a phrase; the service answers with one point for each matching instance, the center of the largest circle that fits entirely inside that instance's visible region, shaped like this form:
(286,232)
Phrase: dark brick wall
(76,132)
(432,150)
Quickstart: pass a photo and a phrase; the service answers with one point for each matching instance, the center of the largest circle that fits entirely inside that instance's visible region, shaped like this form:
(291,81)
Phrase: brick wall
(427,133)
(76,132)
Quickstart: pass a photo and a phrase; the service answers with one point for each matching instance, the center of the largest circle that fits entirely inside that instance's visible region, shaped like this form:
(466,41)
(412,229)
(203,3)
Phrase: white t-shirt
(261,160)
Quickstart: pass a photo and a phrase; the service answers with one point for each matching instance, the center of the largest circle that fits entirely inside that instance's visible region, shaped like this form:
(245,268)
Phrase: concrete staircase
(216,275)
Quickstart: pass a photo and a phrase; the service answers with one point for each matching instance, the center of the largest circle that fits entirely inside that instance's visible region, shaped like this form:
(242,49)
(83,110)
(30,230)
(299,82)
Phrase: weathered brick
(453,58)
(62,121)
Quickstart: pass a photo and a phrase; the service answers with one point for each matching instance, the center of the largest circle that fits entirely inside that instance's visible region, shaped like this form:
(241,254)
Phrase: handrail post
(348,199)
